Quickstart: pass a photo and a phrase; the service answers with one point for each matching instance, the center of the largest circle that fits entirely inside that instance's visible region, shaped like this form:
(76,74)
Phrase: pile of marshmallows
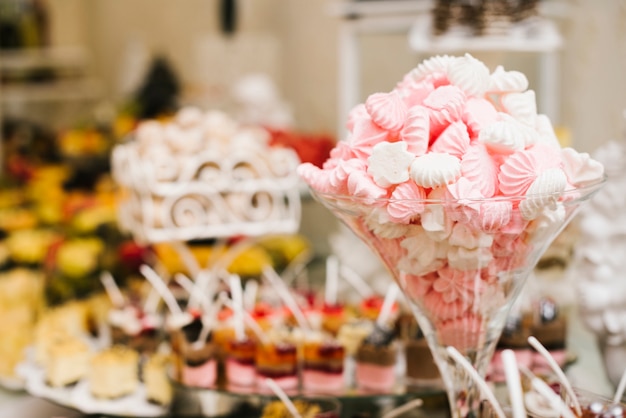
(453,131)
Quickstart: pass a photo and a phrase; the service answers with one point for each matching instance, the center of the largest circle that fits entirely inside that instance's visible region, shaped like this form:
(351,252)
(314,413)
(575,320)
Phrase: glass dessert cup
(460,264)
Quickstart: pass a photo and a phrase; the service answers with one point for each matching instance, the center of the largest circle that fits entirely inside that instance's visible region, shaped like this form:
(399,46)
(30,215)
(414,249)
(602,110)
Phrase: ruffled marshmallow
(436,305)
(435,170)
(389,163)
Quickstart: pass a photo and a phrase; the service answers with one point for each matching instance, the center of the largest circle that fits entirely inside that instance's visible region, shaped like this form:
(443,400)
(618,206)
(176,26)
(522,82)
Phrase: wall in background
(294,41)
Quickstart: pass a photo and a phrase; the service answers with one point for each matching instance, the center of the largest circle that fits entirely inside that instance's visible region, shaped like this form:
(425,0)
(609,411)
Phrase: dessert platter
(69,364)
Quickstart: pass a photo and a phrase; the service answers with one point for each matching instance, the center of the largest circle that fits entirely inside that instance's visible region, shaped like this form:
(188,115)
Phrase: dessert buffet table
(587,373)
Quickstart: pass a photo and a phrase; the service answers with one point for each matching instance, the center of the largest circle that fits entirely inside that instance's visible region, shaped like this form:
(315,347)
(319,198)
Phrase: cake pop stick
(332,280)
(283,397)
(270,274)
(480,382)
(514,384)
(249,294)
(234,282)
(617,398)
(546,391)
(385,310)
(409,406)
(296,266)
(360,285)
(113,291)
(534,342)
(161,288)
(247,318)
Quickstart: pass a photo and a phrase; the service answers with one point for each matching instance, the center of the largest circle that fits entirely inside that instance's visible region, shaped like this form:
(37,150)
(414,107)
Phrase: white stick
(189,286)
(161,287)
(387,307)
(480,382)
(546,391)
(534,342)
(236,294)
(200,286)
(514,384)
(270,274)
(410,405)
(248,319)
(332,280)
(296,266)
(617,398)
(283,397)
(360,285)
(152,301)
(113,291)
(249,294)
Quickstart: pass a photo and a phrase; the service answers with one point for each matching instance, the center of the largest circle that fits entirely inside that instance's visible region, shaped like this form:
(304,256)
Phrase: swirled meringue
(580,168)
(478,167)
(502,81)
(389,163)
(478,113)
(494,215)
(504,136)
(543,192)
(454,140)
(446,105)
(521,169)
(387,110)
(435,301)
(416,130)
(470,74)
(358,112)
(406,202)
(435,170)
(434,65)
(364,136)
(361,185)
(522,106)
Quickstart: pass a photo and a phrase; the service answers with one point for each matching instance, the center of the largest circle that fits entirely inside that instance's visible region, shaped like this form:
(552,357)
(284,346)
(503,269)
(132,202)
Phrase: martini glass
(461,264)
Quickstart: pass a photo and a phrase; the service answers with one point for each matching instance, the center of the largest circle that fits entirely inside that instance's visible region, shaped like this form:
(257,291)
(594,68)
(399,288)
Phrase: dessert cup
(460,264)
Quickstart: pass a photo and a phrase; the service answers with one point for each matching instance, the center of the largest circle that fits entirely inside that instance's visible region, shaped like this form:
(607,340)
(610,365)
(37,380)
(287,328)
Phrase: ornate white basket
(215,192)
